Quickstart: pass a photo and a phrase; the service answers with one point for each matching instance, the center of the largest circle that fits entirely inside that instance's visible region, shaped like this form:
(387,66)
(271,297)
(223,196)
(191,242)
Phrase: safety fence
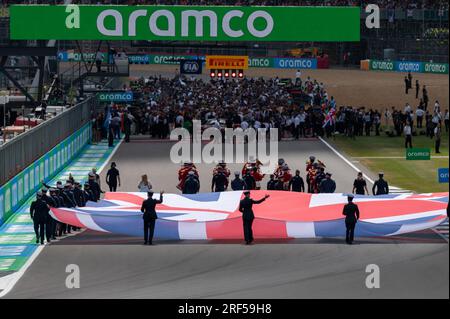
(168,59)
(16,191)
(26,148)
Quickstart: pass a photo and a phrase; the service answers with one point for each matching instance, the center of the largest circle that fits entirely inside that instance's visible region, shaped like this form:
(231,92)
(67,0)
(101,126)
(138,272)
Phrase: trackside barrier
(27,147)
(16,191)
(168,59)
(404,66)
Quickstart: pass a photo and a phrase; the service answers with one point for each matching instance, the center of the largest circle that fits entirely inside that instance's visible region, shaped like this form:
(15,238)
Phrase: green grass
(418,176)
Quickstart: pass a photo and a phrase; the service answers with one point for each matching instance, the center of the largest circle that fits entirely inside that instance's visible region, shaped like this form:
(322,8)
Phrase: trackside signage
(377,65)
(443,175)
(418,154)
(260,62)
(292,63)
(198,23)
(403,66)
(441,68)
(115,96)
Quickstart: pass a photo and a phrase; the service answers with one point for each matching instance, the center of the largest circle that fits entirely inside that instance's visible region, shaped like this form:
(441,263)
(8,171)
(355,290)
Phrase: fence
(16,191)
(31,145)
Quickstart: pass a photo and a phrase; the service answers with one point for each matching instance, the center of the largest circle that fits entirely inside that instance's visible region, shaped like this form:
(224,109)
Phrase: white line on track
(8,282)
(394,189)
(345,159)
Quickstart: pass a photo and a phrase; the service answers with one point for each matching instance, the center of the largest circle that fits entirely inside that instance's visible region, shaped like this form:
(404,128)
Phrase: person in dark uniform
(380,187)
(113,177)
(69,202)
(237,184)
(59,190)
(88,195)
(219,182)
(56,203)
(417,89)
(407,85)
(192,184)
(410,78)
(78,195)
(351,212)
(360,185)
(250,182)
(150,216)
(39,214)
(246,208)
(94,187)
(127,126)
(272,183)
(296,184)
(327,185)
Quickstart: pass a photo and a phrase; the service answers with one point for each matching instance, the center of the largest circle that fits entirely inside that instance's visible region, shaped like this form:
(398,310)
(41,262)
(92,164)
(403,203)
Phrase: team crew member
(39,214)
(237,184)
(246,208)
(296,184)
(360,185)
(380,187)
(351,212)
(150,216)
(113,178)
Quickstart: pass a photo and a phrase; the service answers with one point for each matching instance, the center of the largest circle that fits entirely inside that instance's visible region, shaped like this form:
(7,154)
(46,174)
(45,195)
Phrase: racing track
(415,266)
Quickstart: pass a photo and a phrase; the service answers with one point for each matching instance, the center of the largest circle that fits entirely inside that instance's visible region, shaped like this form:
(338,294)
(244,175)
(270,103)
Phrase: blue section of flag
(336,228)
(207,197)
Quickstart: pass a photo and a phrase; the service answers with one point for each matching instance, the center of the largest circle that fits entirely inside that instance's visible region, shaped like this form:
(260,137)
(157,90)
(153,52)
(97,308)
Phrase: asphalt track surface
(411,266)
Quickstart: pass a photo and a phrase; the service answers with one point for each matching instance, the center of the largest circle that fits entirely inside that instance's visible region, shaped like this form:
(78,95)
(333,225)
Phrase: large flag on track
(283,215)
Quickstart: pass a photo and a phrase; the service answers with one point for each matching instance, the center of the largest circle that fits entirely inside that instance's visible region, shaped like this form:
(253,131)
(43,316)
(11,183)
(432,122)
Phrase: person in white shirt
(408,135)
(144,185)
(387,117)
(298,75)
(437,107)
(407,108)
(419,116)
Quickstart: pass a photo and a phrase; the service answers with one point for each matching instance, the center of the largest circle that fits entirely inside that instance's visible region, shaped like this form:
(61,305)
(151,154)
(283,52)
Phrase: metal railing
(26,148)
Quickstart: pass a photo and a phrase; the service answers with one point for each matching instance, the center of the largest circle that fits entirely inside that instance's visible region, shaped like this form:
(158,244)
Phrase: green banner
(440,68)
(194,23)
(260,62)
(418,154)
(377,65)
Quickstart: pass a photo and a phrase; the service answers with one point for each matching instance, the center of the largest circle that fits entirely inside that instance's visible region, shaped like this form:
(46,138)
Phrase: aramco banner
(197,23)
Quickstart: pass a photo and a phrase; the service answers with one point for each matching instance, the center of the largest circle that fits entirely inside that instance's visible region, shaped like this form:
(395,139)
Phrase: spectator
(144,185)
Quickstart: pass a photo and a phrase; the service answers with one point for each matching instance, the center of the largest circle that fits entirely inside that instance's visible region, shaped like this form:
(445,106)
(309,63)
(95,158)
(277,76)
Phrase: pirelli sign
(228,62)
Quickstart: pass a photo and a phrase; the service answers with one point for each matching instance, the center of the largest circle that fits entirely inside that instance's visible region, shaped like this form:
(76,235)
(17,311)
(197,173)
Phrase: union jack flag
(283,215)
